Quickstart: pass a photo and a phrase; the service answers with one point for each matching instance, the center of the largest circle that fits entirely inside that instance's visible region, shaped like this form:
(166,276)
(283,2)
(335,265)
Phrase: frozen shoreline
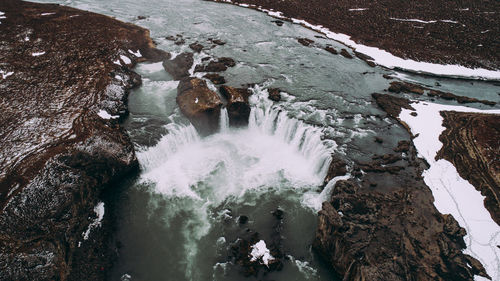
(386,59)
(454,195)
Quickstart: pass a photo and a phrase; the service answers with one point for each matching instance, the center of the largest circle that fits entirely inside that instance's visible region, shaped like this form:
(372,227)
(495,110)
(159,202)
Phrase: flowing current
(178,218)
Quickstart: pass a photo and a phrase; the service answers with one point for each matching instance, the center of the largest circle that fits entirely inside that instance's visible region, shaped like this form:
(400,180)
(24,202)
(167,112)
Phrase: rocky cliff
(65,77)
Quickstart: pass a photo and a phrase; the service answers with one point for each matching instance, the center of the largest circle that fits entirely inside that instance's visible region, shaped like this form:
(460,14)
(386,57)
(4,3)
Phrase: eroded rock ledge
(471,144)
(61,142)
(389,229)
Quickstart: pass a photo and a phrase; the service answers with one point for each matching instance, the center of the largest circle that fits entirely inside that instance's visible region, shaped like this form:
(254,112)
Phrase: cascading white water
(224,120)
(274,151)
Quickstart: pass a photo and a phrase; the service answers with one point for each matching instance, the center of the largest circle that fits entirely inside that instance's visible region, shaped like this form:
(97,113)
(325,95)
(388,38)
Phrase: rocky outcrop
(218,65)
(346,54)
(237,105)
(305,41)
(471,144)
(338,167)
(382,236)
(215,78)
(199,104)
(406,87)
(274,94)
(392,105)
(61,142)
(179,66)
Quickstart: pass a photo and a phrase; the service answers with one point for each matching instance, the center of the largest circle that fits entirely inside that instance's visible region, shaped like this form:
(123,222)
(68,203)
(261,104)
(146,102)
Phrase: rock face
(237,106)
(199,104)
(382,236)
(471,143)
(61,143)
(179,66)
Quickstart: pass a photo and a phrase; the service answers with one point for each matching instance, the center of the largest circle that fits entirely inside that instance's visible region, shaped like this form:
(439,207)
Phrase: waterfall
(224,120)
(177,137)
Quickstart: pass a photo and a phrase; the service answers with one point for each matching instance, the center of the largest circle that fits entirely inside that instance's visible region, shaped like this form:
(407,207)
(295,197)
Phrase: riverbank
(432,37)
(65,78)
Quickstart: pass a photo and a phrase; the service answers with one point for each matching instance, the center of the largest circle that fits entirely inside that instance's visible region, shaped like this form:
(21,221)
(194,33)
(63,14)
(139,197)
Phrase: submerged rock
(345,54)
(61,141)
(305,41)
(237,105)
(179,66)
(199,104)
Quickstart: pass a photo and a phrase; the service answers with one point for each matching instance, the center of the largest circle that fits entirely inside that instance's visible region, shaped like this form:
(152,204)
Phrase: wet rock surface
(199,104)
(471,144)
(244,250)
(179,66)
(448,32)
(274,94)
(219,65)
(61,142)
(406,87)
(238,108)
(383,225)
(382,236)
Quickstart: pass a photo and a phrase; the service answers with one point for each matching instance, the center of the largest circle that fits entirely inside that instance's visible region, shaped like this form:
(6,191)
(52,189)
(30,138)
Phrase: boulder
(179,66)
(237,106)
(199,104)
(197,47)
(215,78)
(216,66)
(274,94)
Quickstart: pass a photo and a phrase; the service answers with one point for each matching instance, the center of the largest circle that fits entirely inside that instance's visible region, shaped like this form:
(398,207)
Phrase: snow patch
(2,16)
(36,54)
(196,100)
(454,195)
(414,20)
(125,59)
(358,9)
(47,14)
(5,74)
(99,211)
(117,62)
(105,115)
(136,53)
(260,250)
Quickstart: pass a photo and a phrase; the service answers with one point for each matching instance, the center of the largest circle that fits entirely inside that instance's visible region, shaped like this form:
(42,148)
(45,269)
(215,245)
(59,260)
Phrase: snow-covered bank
(452,194)
(386,59)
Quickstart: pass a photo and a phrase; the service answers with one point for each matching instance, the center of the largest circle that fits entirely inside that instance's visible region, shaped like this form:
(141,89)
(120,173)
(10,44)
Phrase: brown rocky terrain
(447,32)
(471,142)
(199,104)
(61,143)
(389,229)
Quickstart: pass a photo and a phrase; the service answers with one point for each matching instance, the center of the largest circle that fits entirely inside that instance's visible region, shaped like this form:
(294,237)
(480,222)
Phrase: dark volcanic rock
(278,22)
(392,105)
(459,99)
(218,42)
(375,236)
(398,87)
(338,167)
(471,144)
(179,66)
(60,140)
(345,53)
(215,78)
(305,41)
(199,104)
(216,66)
(331,50)
(237,106)
(197,47)
(274,94)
